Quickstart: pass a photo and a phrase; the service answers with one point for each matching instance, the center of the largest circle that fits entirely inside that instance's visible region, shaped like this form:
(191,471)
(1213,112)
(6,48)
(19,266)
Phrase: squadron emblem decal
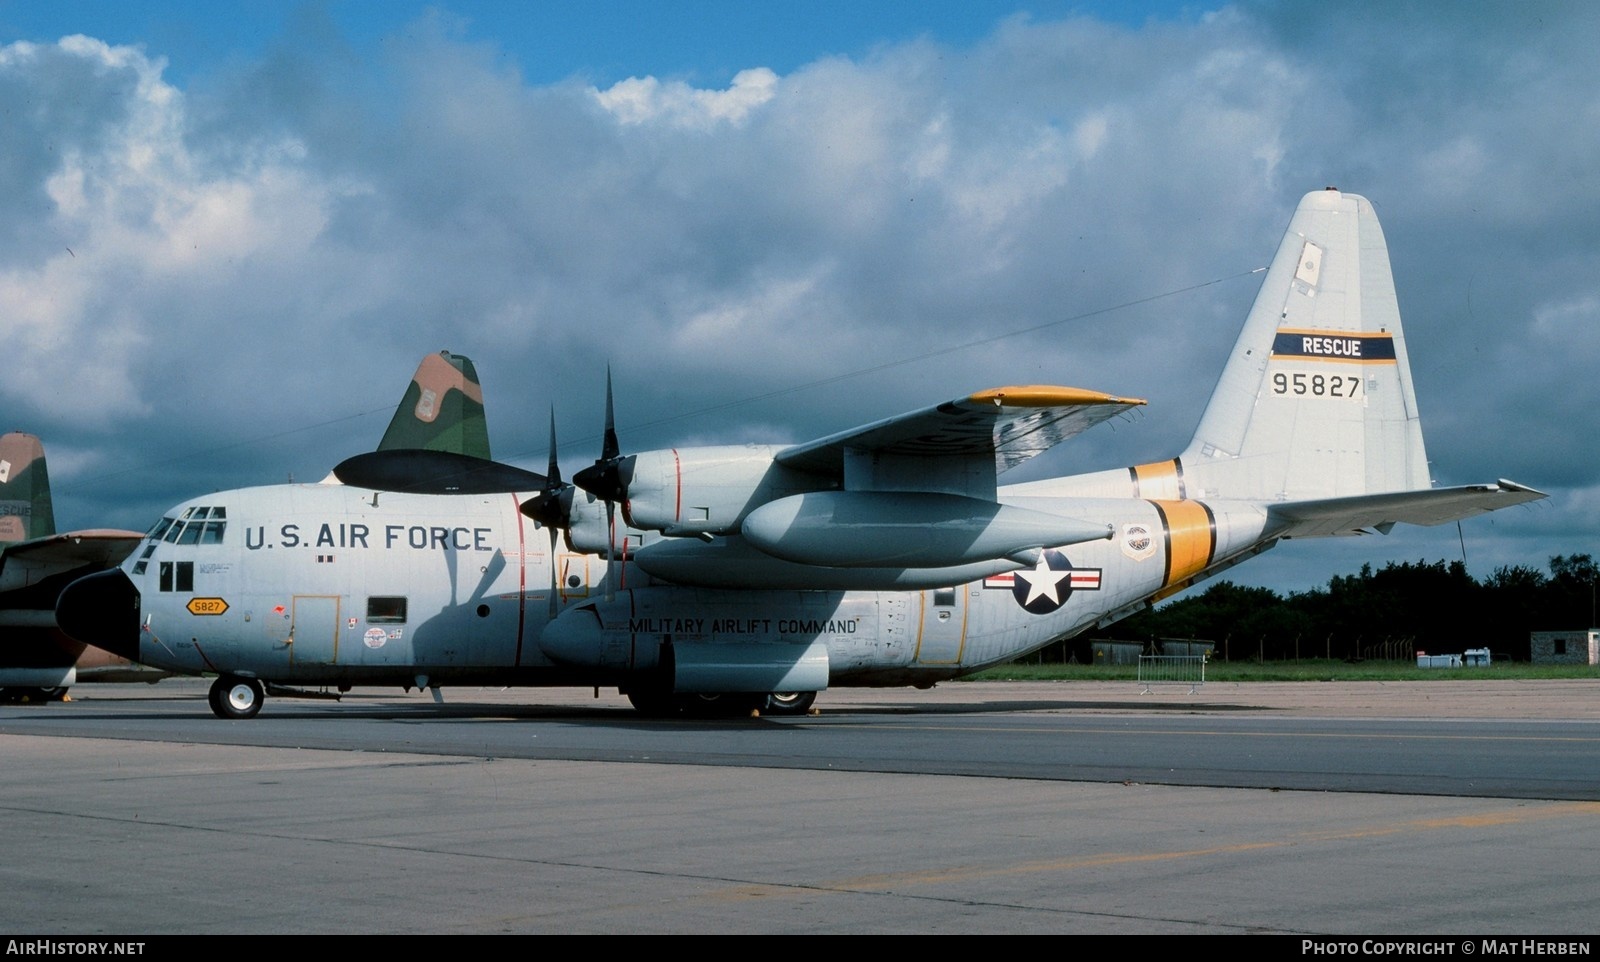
(1047,585)
(1137,542)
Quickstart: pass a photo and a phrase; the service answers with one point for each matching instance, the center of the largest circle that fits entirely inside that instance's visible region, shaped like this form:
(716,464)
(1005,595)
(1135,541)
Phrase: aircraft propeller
(552,507)
(607,479)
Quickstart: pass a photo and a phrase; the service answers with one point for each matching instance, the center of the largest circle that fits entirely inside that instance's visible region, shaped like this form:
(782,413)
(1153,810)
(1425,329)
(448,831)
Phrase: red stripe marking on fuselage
(522,577)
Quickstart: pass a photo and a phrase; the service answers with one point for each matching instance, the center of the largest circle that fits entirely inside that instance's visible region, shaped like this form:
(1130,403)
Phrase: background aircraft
(37,661)
(883,555)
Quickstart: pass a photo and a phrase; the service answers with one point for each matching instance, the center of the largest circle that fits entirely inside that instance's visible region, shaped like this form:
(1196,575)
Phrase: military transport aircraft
(757,576)
(37,661)
(441,410)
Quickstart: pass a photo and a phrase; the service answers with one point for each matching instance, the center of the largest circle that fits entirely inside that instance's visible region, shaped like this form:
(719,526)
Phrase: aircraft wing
(27,563)
(1363,513)
(1004,426)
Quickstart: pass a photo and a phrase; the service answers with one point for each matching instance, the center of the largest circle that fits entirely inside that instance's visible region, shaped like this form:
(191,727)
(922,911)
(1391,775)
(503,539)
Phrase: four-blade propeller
(552,507)
(607,479)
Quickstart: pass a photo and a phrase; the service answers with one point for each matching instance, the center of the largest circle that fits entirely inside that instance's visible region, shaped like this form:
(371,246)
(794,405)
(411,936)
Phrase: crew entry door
(943,627)
(314,630)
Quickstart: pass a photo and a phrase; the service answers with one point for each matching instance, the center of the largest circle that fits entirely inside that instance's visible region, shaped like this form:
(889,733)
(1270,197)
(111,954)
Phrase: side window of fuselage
(386,610)
(177,576)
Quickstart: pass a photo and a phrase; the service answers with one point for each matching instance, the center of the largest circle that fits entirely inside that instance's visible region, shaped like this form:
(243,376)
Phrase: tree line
(1393,612)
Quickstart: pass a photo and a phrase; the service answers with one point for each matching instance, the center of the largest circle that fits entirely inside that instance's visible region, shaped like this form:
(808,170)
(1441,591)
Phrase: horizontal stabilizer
(1356,515)
(434,472)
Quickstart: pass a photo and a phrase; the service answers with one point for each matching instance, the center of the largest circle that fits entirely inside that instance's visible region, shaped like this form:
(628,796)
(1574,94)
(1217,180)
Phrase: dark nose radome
(102,610)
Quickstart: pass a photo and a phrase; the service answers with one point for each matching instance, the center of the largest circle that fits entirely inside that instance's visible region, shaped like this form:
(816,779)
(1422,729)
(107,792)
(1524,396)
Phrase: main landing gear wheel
(236,697)
(720,704)
(789,702)
(653,704)
(666,704)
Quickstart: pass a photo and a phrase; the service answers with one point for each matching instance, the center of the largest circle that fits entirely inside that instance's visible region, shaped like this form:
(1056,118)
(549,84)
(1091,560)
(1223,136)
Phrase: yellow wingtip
(1046,395)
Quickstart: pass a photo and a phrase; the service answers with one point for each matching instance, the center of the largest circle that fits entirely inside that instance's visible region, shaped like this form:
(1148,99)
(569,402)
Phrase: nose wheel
(233,697)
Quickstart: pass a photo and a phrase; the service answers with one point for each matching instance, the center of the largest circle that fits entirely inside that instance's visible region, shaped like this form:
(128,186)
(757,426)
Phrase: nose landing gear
(233,697)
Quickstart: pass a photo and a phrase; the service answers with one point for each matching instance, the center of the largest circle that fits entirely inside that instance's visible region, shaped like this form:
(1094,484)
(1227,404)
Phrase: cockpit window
(199,525)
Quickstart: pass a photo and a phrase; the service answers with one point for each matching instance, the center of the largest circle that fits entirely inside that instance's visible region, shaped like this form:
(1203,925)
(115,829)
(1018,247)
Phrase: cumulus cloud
(640,100)
(234,279)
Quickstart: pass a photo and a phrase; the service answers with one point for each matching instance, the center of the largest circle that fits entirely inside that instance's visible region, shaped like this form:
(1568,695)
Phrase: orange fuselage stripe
(1162,479)
(1191,538)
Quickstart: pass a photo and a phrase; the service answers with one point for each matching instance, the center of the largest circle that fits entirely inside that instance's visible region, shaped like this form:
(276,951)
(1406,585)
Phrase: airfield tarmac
(132,811)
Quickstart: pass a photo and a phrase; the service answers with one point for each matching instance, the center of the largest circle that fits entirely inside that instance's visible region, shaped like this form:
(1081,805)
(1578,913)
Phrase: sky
(228,233)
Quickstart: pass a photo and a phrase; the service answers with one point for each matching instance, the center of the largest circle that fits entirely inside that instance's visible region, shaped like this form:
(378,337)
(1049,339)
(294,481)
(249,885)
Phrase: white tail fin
(1315,414)
(1316,399)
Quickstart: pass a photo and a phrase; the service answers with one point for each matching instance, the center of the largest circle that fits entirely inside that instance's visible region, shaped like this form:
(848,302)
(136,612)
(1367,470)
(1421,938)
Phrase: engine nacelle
(732,563)
(58,677)
(908,529)
(589,532)
(709,490)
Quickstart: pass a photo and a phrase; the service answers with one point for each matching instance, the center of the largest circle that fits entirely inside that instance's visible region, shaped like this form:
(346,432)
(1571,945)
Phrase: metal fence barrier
(1172,670)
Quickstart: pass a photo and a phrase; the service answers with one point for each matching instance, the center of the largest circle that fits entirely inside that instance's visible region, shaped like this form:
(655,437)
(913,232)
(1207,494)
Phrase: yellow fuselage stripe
(1191,538)
(1162,479)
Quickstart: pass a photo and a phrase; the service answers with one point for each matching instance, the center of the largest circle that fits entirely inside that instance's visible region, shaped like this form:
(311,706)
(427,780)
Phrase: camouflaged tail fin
(25,508)
(442,410)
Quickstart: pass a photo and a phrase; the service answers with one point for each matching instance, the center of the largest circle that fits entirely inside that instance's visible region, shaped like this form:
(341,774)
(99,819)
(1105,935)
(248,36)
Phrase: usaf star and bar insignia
(1048,584)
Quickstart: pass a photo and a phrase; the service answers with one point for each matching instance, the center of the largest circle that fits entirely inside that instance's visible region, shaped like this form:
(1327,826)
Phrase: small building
(1578,647)
(1187,646)
(1116,652)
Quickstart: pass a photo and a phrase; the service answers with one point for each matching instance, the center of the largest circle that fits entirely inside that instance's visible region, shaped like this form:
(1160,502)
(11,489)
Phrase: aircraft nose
(102,609)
